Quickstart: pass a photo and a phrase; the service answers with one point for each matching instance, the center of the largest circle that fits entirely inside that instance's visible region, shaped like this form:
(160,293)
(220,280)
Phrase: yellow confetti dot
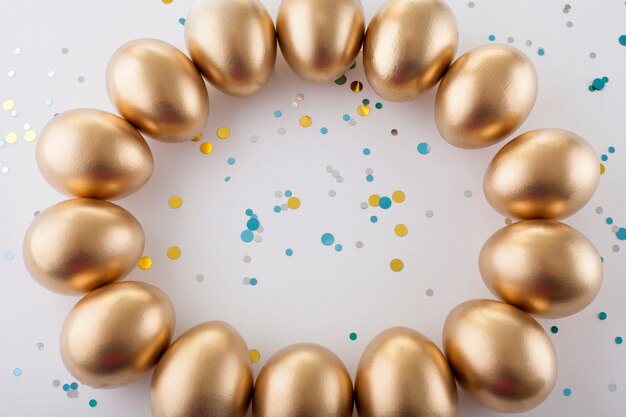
(145,262)
(223,133)
(306,121)
(197,138)
(293,203)
(30,135)
(396,265)
(206,148)
(398,196)
(167,1)
(255,355)
(8,104)
(602,169)
(373,200)
(11,137)
(401,230)
(173,252)
(175,201)
(363,110)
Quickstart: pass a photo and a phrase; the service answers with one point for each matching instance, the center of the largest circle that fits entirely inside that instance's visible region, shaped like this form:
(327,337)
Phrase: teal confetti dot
(338,248)
(10,256)
(567,392)
(602,315)
(554,329)
(366,151)
(341,80)
(324,130)
(423,148)
(366,101)
(492,38)
(17,372)
(604,157)
(182,21)
(619,340)
(541,52)
(609,220)
(598,84)
(346,117)
(591,88)
(605,79)
(66,387)
(621,233)
(379,106)
(374,219)
(226,179)
(247,236)
(249,212)
(328,239)
(611,149)
(277,209)
(230,161)
(74,386)
(93,403)
(278,113)
(622,40)
(384,202)
(288,193)
(369,178)
(253,281)
(352,336)
(289,252)
(253,224)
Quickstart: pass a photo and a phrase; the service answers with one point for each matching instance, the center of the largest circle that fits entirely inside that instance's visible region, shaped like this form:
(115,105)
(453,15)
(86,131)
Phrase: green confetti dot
(93,403)
(602,315)
(341,80)
(379,106)
(353,336)
(554,329)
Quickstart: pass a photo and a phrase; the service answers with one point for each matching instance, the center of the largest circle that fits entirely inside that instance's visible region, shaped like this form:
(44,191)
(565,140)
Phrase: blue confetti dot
(611,149)
(622,40)
(289,252)
(338,247)
(93,403)
(324,130)
(247,236)
(17,372)
(66,387)
(384,202)
(328,239)
(619,340)
(182,21)
(366,151)
(288,193)
(369,178)
(598,84)
(277,209)
(423,148)
(249,212)
(74,386)
(492,38)
(278,113)
(373,219)
(567,392)
(346,117)
(10,256)
(253,281)
(226,179)
(541,52)
(253,224)
(231,161)
(609,220)
(604,157)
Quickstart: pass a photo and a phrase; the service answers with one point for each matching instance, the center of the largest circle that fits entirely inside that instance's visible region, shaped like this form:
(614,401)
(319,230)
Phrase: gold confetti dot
(373,200)
(206,148)
(396,265)
(197,138)
(167,1)
(173,252)
(175,201)
(398,196)
(293,203)
(255,355)
(401,230)
(30,135)
(602,169)
(363,110)
(145,262)
(306,121)
(223,133)
(11,137)
(356,86)
(8,104)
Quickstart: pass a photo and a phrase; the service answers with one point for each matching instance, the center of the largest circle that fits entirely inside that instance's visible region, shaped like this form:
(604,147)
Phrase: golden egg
(81,244)
(408,47)
(158,90)
(320,39)
(485,96)
(499,355)
(542,267)
(303,380)
(94,154)
(233,43)
(116,333)
(544,173)
(403,373)
(206,372)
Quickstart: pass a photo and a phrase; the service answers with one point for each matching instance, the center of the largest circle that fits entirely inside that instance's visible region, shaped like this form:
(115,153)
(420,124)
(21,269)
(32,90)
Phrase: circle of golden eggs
(496,351)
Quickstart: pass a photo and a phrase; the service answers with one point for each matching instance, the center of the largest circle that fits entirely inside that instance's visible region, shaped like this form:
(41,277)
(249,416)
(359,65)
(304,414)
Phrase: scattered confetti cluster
(292,202)
(253,228)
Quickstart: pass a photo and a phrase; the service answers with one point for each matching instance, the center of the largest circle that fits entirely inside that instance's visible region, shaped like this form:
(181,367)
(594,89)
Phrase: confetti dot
(338,248)
(8,104)
(199,277)
(167,1)
(332,193)
(182,21)
(602,315)
(621,233)
(223,133)
(277,209)
(306,121)
(492,38)
(353,336)
(401,230)
(622,40)
(612,387)
(255,356)
(396,265)
(227,178)
(173,252)
(39,346)
(541,52)
(74,386)
(346,117)
(66,387)
(429,292)
(247,236)
(567,392)
(175,202)
(367,151)
(379,106)
(619,340)
(145,262)
(253,281)
(289,252)
(293,203)
(324,130)
(93,403)
(429,213)
(206,148)
(384,203)
(328,239)
(253,224)
(231,161)
(609,220)
(341,80)
(247,259)
(554,329)
(394,132)
(423,148)
(10,138)
(359,244)
(81,79)
(398,196)
(356,86)
(374,219)
(30,135)
(363,110)
(17,372)
(369,178)
(56,383)
(10,256)
(288,193)
(468,193)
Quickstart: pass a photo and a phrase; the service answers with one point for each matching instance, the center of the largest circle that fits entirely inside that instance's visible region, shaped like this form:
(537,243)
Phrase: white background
(317,295)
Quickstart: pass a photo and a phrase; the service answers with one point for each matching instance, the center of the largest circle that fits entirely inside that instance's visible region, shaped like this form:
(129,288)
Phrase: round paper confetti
(401,230)
(173,252)
(255,356)
(206,148)
(175,202)
(293,203)
(396,265)
(223,133)
(306,121)
(145,262)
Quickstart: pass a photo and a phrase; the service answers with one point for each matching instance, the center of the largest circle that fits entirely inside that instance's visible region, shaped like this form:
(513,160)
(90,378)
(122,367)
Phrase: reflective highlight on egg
(499,355)
(116,333)
(408,47)
(485,96)
(94,154)
(207,371)
(158,90)
(81,244)
(544,173)
(403,373)
(320,39)
(542,267)
(303,380)
(233,43)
